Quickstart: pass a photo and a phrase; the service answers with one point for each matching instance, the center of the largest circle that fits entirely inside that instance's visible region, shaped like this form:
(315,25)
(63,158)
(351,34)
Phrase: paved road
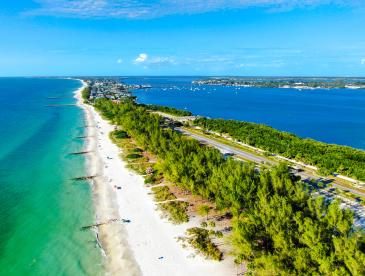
(226,149)
(260,159)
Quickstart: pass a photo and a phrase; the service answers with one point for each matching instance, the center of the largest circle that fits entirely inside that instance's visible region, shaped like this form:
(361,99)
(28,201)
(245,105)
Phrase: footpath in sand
(145,244)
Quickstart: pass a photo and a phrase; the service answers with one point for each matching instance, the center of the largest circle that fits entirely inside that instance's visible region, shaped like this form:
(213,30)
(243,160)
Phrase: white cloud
(146,61)
(135,9)
(119,61)
(141,58)
(162,61)
(363,61)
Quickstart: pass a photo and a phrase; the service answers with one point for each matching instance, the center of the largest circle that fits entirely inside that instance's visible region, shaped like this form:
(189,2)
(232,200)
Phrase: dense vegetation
(85,93)
(169,110)
(279,228)
(328,157)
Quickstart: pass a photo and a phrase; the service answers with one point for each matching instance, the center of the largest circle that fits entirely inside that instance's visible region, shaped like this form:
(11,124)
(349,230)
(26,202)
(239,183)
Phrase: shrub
(199,238)
(120,134)
(149,179)
(218,234)
(175,211)
(211,223)
(204,210)
(137,150)
(203,224)
(134,156)
(162,193)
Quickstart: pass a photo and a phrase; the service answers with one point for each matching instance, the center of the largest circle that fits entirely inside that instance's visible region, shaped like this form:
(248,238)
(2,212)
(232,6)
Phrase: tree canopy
(169,110)
(327,157)
(279,227)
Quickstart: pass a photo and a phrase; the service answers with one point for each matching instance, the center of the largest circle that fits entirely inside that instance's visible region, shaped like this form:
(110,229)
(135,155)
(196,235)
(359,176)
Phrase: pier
(98,224)
(83,137)
(104,223)
(81,178)
(79,152)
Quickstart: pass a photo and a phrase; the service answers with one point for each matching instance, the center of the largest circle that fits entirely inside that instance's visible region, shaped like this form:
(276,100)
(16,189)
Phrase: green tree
(204,210)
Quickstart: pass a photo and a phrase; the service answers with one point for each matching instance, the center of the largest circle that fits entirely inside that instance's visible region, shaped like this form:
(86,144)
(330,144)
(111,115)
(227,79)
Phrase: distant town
(297,83)
(111,89)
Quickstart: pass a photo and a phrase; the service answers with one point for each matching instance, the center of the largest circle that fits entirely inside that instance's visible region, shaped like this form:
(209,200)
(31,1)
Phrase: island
(297,83)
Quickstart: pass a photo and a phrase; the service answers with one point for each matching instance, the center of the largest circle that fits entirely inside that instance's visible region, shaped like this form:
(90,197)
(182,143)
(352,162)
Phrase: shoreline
(148,244)
(117,258)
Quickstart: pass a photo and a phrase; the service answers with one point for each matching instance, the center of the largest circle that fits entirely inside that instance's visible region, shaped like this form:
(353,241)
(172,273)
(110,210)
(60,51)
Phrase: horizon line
(223,75)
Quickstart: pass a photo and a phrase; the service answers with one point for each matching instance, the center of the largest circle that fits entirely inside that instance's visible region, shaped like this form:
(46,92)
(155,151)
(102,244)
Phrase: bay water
(328,115)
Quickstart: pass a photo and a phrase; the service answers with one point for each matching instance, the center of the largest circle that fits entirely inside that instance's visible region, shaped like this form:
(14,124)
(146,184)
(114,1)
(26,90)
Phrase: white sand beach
(146,245)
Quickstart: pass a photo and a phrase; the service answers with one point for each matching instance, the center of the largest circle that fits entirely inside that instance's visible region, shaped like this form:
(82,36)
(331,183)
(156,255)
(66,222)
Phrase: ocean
(41,208)
(329,115)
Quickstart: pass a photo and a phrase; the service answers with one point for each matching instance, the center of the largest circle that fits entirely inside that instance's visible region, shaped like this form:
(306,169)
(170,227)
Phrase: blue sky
(191,37)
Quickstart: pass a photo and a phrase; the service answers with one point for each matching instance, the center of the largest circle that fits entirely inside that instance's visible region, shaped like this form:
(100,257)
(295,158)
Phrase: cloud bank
(139,9)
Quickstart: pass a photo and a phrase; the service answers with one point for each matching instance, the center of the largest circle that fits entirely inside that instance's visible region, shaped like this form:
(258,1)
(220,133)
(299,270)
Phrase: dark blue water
(328,115)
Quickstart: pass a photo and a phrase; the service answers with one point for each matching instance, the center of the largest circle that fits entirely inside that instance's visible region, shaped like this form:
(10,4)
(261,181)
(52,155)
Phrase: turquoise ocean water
(41,209)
